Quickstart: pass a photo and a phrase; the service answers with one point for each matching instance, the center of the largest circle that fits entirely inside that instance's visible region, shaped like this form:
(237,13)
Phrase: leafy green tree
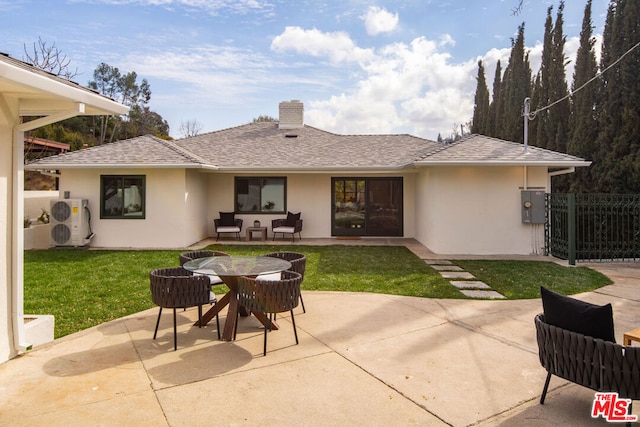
(123,88)
(143,121)
(481,110)
(263,118)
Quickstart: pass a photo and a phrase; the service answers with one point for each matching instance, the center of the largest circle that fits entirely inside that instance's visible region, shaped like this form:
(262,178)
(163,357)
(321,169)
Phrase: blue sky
(360,67)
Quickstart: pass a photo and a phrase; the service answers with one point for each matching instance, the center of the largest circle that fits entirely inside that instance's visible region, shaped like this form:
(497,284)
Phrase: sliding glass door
(367,207)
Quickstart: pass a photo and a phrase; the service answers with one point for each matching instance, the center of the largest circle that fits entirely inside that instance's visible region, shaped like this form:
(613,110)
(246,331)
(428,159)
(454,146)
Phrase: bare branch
(190,128)
(516,10)
(50,59)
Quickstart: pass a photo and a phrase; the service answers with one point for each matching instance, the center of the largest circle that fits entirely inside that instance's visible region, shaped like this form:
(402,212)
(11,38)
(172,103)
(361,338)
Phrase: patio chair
(298,264)
(270,297)
(228,223)
(292,224)
(178,288)
(188,256)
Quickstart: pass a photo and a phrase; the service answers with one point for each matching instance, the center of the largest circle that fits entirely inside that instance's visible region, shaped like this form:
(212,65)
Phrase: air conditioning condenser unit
(69,222)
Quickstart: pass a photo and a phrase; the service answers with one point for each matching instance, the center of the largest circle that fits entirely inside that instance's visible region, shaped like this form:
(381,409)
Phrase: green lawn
(83,288)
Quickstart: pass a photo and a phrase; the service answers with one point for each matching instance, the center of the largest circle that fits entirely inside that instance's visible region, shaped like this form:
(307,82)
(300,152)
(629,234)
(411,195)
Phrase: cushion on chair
(228,219)
(291,219)
(271,276)
(230,229)
(284,229)
(578,316)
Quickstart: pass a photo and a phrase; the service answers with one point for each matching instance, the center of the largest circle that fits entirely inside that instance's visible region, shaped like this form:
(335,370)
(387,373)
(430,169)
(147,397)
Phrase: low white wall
(36,201)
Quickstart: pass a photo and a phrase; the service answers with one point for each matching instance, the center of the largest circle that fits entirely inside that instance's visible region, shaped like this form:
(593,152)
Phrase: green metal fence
(593,227)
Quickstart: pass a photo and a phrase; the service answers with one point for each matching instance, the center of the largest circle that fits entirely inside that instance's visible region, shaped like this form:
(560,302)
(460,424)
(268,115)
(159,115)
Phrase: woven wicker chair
(178,288)
(600,365)
(235,228)
(270,297)
(280,226)
(188,256)
(298,264)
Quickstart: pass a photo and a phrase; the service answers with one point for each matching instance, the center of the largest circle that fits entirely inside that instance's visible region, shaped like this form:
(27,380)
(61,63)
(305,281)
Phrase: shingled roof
(263,146)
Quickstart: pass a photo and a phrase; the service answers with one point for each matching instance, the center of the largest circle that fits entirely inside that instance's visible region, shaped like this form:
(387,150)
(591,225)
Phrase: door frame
(365,231)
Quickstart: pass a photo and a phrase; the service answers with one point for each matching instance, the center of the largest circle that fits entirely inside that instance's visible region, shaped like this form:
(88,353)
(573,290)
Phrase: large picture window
(261,195)
(122,196)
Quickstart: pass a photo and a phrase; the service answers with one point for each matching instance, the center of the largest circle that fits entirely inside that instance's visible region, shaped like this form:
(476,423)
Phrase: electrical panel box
(533,211)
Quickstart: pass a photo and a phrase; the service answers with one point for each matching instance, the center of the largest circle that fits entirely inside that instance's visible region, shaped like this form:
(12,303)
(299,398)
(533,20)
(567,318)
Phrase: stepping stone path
(466,282)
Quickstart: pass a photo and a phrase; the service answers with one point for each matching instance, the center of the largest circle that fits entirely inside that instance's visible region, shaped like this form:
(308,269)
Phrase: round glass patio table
(229,269)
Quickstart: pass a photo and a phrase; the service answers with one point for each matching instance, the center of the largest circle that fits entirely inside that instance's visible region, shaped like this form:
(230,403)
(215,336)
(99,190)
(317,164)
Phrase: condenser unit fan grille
(61,233)
(61,211)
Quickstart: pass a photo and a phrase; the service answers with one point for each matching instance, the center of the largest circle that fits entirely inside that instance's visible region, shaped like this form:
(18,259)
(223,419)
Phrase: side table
(262,230)
(631,336)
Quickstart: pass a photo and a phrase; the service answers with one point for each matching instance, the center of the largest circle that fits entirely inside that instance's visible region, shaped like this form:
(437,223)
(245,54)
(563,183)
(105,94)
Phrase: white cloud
(409,88)
(212,7)
(378,20)
(337,46)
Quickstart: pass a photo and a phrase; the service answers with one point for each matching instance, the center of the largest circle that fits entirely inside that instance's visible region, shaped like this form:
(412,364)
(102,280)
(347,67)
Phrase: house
(27,92)
(473,196)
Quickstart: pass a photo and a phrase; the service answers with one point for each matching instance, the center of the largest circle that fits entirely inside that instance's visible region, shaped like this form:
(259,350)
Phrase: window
(261,195)
(122,196)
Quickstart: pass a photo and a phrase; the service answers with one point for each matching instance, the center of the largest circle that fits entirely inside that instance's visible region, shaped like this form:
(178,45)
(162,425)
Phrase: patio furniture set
(260,285)
(228,223)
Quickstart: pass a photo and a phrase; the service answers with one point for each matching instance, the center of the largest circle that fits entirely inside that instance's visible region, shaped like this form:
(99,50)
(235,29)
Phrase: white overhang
(42,94)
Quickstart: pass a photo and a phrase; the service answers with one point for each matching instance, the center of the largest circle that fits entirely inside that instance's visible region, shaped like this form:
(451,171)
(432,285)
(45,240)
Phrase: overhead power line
(532,115)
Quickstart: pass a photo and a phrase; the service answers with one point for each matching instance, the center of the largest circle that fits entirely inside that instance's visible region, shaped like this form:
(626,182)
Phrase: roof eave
(98,104)
(63,166)
(552,164)
(323,169)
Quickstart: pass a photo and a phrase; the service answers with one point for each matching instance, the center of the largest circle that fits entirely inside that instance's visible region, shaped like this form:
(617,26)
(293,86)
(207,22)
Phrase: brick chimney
(291,115)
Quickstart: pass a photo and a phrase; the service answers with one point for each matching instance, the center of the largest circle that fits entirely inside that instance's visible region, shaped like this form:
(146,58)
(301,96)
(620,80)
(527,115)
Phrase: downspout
(17,276)
(558,172)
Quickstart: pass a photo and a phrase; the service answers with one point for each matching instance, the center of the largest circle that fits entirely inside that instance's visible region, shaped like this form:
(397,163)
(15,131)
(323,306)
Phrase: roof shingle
(263,146)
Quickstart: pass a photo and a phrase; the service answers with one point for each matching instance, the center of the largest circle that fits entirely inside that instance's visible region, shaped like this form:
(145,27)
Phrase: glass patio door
(367,207)
(349,202)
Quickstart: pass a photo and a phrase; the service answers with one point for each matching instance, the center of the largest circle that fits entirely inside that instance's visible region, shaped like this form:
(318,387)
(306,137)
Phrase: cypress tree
(552,129)
(494,106)
(583,123)
(481,109)
(542,96)
(619,138)
(516,87)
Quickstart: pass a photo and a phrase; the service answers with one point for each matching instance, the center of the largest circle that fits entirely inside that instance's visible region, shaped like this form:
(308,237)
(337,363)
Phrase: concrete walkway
(363,359)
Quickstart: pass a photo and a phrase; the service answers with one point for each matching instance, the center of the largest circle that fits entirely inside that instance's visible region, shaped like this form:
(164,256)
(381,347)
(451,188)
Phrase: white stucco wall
(165,223)
(196,202)
(309,194)
(477,210)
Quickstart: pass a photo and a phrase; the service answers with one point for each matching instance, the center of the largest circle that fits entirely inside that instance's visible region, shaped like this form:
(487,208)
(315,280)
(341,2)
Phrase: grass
(85,288)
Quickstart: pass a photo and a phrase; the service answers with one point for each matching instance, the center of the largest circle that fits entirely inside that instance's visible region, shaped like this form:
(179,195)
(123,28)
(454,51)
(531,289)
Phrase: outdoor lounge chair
(228,223)
(270,297)
(178,288)
(292,224)
(576,342)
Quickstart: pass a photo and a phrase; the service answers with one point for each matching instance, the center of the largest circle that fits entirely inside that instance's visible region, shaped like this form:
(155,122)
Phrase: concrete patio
(363,359)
